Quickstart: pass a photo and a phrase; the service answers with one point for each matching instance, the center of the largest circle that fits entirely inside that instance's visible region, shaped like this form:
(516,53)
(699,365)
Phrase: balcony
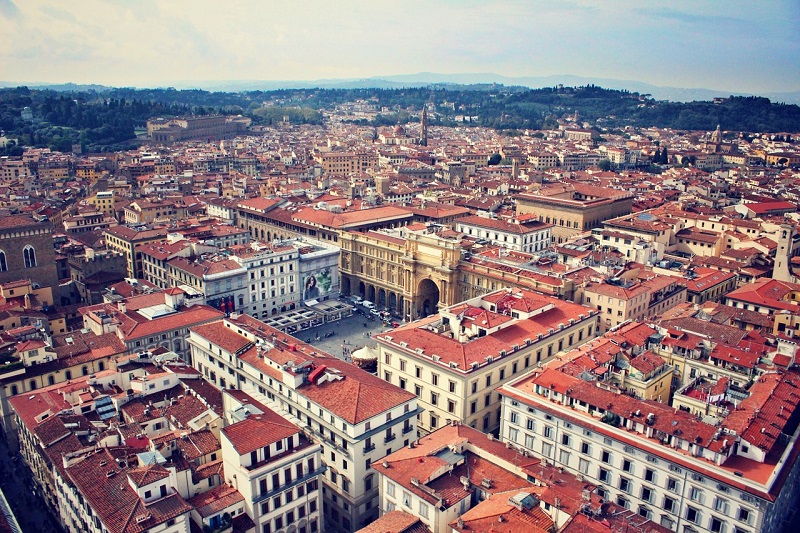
(369,448)
(389,438)
(407,430)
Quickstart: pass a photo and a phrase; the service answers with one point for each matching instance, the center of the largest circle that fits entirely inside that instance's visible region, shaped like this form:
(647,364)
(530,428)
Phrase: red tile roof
(113,499)
(258,431)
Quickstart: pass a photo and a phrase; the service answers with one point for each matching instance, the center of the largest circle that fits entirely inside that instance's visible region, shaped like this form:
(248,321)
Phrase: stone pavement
(349,333)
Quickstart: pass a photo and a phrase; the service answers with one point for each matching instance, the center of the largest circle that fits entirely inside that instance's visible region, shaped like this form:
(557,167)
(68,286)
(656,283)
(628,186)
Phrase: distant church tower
(781,271)
(423,128)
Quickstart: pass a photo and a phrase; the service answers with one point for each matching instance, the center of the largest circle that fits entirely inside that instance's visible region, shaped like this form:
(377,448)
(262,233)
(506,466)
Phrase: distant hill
(454,81)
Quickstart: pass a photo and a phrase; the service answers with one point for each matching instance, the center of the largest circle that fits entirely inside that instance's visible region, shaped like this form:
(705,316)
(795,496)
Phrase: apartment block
(734,470)
(357,417)
(272,464)
(455,360)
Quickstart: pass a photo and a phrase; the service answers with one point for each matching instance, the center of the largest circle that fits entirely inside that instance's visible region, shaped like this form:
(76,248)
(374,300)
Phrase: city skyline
(678,44)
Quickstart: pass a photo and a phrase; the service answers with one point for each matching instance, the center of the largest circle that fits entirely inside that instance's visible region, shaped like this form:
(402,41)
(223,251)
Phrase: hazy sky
(736,45)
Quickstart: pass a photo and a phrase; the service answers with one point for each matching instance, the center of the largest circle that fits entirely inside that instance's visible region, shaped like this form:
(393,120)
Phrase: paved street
(348,332)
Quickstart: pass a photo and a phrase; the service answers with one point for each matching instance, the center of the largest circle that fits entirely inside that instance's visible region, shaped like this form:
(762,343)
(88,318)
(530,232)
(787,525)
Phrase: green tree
(664,156)
(605,165)
(495,159)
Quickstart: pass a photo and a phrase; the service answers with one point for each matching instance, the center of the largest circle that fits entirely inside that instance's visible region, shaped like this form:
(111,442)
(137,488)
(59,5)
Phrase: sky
(734,45)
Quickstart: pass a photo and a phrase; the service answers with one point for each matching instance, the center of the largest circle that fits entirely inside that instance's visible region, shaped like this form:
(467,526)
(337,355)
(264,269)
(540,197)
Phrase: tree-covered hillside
(102,120)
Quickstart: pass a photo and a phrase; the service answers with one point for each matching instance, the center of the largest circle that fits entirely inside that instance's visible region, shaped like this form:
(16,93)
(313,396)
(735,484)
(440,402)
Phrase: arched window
(14,390)
(51,380)
(68,374)
(85,370)
(101,366)
(33,384)
(3,264)
(29,256)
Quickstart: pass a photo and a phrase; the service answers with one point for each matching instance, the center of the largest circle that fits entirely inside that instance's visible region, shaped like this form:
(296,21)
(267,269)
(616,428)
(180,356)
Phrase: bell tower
(783,255)
(423,127)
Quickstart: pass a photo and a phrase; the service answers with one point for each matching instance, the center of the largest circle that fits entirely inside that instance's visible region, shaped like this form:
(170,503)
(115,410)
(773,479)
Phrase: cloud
(8,9)
(147,42)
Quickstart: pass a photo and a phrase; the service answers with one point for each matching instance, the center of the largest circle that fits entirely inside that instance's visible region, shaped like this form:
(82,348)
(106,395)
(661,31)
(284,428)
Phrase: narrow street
(28,507)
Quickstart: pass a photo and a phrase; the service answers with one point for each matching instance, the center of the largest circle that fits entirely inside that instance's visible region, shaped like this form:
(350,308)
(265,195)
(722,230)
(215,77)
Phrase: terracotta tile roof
(351,218)
(647,362)
(258,431)
(418,335)
(503,225)
(486,516)
(357,397)
(395,522)
(197,444)
(215,500)
(424,464)
(716,332)
(113,499)
(146,475)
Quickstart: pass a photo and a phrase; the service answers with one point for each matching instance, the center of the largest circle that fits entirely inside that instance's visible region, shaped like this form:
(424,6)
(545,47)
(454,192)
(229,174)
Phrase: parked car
(369,305)
(356,299)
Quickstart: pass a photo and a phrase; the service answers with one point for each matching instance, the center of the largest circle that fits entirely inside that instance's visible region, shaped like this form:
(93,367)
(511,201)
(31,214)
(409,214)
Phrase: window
(627,466)
(452,386)
(604,475)
(721,505)
(673,485)
(407,499)
(624,484)
(548,432)
(563,457)
(547,449)
(696,495)
(647,494)
(650,475)
(716,525)
(566,440)
(3,264)
(435,379)
(744,515)
(669,504)
(390,489)
(434,398)
(423,510)
(514,418)
(586,448)
(605,457)
(692,515)
(583,466)
(29,256)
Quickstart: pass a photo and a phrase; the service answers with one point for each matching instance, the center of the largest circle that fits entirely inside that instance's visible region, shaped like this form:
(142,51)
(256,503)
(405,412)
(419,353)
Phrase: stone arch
(345,285)
(427,298)
(392,301)
(362,289)
(371,293)
(381,298)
